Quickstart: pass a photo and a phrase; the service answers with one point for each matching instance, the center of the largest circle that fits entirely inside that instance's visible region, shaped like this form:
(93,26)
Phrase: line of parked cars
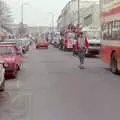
(67,41)
(11,54)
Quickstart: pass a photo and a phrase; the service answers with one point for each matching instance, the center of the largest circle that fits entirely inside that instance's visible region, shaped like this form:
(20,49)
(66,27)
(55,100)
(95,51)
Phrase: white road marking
(15,98)
(18,84)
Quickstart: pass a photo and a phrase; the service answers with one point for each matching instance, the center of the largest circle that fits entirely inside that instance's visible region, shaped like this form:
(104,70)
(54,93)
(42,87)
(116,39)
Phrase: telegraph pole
(21,29)
(22,12)
(78,12)
(53,22)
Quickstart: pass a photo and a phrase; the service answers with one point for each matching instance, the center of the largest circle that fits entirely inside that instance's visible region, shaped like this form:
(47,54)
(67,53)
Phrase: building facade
(91,16)
(69,14)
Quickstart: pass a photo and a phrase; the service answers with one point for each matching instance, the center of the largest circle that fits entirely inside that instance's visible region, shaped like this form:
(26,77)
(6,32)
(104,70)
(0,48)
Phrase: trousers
(81,55)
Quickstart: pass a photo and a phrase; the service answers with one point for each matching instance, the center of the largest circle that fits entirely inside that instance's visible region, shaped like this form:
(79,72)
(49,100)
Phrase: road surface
(52,87)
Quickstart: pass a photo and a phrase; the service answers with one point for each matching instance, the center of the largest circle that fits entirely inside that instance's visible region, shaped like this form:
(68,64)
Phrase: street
(51,86)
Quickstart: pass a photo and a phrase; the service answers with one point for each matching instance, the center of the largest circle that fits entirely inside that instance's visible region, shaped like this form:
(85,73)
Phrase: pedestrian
(74,46)
(82,45)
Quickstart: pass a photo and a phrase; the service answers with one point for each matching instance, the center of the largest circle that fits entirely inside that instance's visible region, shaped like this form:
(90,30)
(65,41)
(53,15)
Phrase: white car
(94,47)
(2,76)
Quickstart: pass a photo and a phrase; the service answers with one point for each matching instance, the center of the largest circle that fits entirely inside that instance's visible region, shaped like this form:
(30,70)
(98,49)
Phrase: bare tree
(5,15)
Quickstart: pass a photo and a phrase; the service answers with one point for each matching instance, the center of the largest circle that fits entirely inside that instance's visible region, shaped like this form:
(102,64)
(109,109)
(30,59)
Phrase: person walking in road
(82,45)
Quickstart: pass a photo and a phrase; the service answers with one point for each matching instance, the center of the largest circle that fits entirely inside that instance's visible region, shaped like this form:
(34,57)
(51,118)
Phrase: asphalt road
(52,87)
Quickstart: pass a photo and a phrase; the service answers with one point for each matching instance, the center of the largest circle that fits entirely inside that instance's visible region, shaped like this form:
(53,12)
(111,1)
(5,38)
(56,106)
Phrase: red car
(12,59)
(10,43)
(40,44)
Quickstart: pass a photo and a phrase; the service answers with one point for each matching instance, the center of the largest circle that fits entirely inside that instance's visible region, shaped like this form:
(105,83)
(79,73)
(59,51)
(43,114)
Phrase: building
(30,29)
(16,29)
(38,30)
(65,17)
(92,16)
(69,14)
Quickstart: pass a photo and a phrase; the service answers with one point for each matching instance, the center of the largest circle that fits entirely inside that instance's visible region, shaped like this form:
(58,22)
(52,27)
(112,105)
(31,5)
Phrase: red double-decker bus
(110,32)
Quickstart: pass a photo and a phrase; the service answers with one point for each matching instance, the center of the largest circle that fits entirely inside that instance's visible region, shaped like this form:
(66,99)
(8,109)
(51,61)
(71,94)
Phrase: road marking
(18,84)
(15,98)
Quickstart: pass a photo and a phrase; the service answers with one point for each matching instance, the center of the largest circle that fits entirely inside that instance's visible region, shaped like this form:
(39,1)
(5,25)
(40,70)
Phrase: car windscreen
(20,42)
(71,35)
(11,40)
(7,50)
(93,35)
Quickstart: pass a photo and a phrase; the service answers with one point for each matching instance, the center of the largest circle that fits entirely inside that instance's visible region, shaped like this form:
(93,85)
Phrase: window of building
(88,20)
(106,1)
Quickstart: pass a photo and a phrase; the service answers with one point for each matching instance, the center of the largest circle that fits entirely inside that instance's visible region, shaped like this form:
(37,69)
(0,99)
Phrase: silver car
(2,76)
(94,47)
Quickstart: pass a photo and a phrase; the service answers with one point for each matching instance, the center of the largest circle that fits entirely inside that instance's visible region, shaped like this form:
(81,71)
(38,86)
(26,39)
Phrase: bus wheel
(114,63)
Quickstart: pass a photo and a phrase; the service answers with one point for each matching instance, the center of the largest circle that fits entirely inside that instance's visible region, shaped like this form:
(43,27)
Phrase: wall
(69,14)
(92,15)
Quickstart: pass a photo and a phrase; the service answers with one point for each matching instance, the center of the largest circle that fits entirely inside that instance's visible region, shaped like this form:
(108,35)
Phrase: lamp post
(22,10)
(52,21)
(78,12)
(22,5)
(22,18)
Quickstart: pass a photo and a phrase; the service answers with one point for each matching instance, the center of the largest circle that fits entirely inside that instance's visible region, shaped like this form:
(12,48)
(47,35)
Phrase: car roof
(6,45)
(10,40)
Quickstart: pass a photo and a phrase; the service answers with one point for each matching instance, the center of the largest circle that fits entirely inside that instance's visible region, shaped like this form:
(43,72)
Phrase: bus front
(110,32)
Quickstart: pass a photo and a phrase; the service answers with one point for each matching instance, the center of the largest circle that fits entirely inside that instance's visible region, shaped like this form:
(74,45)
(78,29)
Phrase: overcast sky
(37,12)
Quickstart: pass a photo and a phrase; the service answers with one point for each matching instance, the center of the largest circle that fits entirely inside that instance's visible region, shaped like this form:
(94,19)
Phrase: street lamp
(22,10)
(22,5)
(52,21)
(78,12)
(22,20)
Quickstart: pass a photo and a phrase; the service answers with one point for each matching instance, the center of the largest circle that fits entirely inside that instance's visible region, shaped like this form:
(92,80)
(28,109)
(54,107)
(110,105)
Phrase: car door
(18,57)
(2,73)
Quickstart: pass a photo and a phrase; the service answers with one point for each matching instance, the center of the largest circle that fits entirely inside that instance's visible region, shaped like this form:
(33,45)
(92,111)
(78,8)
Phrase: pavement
(51,86)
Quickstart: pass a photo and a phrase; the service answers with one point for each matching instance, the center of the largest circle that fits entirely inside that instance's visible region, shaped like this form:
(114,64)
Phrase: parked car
(94,47)
(57,39)
(2,75)
(22,46)
(14,42)
(10,43)
(69,37)
(12,59)
(41,44)
(61,43)
(27,43)
(93,35)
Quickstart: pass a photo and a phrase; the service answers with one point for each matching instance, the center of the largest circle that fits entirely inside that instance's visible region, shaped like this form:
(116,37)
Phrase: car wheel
(37,47)
(2,88)
(24,52)
(19,67)
(114,63)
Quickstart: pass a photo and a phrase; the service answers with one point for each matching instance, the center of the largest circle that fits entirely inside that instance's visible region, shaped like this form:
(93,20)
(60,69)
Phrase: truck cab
(69,38)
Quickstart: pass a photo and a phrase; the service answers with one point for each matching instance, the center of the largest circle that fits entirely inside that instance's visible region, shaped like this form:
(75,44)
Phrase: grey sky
(37,12)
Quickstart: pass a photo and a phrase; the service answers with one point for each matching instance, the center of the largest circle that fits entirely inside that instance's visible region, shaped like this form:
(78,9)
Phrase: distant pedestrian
(82,45)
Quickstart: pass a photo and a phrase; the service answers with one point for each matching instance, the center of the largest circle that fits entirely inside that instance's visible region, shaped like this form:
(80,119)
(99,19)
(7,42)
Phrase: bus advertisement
(110,33)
